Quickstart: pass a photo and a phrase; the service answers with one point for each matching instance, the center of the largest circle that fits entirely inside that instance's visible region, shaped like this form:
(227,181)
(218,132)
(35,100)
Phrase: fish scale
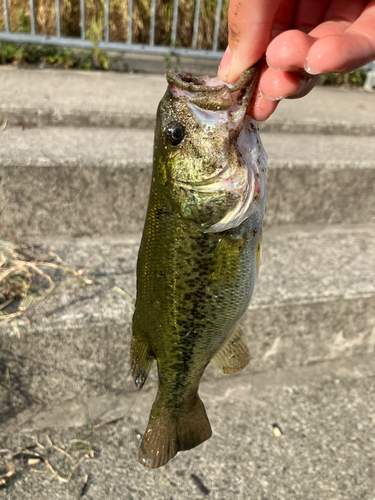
(199,255)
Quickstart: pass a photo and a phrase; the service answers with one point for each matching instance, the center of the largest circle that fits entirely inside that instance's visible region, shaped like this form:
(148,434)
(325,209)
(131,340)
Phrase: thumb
(249,33)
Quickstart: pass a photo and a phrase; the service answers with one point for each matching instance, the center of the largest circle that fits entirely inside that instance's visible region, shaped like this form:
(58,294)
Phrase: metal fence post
(130,22)
(57,13)
(32,17)
(125,46)
(106,21)
(369,84)
(82,15)
(6,15)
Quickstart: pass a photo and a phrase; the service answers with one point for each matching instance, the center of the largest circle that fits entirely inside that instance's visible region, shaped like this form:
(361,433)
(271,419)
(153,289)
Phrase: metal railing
(107,44)
(129,46)
(369,84)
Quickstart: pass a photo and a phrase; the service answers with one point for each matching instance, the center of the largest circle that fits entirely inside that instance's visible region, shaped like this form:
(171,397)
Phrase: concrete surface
(310,327)
(94,181)
(314,301)
(326,414)
(78,98)
(158,64)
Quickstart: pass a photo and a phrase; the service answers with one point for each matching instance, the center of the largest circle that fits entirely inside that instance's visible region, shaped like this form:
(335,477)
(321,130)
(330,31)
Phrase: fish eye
(175,132)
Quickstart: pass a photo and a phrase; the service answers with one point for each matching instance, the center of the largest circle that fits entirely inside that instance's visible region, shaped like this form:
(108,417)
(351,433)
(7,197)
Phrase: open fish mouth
(215,101)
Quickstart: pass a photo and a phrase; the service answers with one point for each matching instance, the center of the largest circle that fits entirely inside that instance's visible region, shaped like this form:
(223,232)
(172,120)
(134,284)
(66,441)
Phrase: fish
(199,255)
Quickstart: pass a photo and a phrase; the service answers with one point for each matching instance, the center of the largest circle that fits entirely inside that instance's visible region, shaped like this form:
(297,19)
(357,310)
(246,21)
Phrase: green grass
(50,56)
(354,79)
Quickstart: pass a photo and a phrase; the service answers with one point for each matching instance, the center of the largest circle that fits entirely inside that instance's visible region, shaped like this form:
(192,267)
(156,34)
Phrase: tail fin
(167,434)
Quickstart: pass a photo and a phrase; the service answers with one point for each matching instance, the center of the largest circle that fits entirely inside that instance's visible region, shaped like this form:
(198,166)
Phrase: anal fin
(141,358)
(234,355)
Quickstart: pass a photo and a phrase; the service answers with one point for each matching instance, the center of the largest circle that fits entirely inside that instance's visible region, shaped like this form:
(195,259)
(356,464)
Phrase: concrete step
(325,449)
(78,98)
(314,301)
(91,181)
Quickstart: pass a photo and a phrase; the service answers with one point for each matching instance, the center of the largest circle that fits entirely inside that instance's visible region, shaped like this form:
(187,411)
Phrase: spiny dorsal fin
(234,355)
(141,358)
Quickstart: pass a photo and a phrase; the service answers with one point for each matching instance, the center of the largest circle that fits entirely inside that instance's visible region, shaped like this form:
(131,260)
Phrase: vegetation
(45,19)
(19,17)
(47,55)
(27,277)
(354,79)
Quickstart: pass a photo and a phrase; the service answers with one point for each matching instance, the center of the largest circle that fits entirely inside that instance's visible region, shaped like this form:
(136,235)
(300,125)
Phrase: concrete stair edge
(314,302)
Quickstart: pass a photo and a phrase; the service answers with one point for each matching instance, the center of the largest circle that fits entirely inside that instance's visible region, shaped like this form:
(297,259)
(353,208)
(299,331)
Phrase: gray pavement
(326,414)
(78,98)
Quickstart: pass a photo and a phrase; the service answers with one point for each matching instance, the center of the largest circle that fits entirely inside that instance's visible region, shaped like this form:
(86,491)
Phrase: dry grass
(25,278)
(61,460)
(94,18)
(41,458)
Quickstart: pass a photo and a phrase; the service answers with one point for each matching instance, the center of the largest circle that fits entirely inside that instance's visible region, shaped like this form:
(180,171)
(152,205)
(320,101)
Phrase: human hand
(300,39)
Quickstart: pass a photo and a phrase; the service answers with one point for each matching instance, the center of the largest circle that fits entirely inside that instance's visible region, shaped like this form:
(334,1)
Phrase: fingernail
(270,65)
(302,83)
(309,69)
(270,98)
(225,64)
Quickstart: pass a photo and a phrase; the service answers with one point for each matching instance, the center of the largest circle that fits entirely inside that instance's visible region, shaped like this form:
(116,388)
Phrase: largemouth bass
(199,255)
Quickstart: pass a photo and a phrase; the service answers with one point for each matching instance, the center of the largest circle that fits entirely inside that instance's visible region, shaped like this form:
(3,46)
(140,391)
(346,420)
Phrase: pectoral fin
(234,355)
(141,358)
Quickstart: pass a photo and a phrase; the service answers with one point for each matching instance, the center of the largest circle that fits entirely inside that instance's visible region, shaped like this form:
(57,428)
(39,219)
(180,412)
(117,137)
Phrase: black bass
(199,255)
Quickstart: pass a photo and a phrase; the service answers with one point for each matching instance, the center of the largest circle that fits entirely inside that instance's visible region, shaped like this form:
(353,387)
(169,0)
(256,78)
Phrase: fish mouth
(229,102)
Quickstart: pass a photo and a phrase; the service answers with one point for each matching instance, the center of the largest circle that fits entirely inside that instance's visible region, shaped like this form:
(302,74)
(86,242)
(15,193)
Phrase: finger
(289,50)
(341,53)
(261,108)
(276,85)
(249,31)
(339,17)
(348,51)
(330,28)
(284,18)
(309,14)
(345,10)
(310,84)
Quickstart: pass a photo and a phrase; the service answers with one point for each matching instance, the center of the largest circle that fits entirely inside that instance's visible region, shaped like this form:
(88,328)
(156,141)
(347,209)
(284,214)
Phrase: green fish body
(199,255)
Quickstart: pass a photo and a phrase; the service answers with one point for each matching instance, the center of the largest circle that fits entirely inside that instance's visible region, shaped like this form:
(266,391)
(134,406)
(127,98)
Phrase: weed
(25,281)
(23,21)
(45,20)
(46,55)
(39,458)
(354,79)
